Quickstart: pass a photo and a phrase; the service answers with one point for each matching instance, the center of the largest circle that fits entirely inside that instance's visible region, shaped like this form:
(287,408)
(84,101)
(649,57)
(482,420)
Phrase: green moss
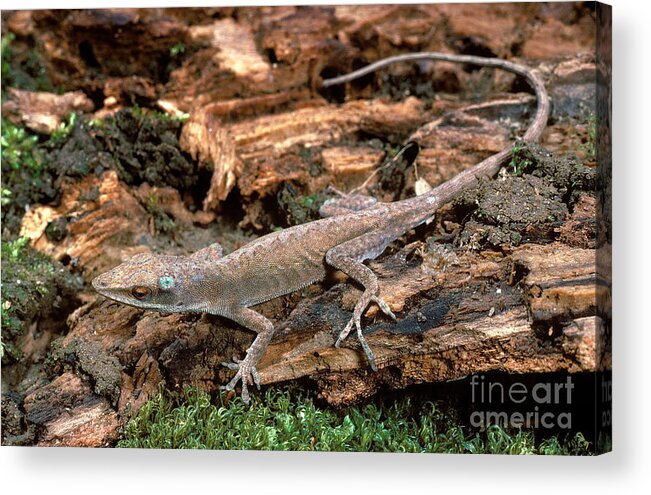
(23,68)
(22,161)
(288,419)
(155,114)
(518,162)
(19,150)
(23,173)
(33,288)
(298,208)
(6,60)
(5,196)
(163,223)
(96,123)
(590,147)
(26,275)
(64,130)
(177,49)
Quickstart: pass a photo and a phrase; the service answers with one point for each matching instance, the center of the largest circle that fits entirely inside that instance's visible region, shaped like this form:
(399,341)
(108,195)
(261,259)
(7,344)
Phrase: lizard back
(282,262)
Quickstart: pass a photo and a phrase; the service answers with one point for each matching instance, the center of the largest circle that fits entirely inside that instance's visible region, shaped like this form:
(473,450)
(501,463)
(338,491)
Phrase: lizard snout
(99,283)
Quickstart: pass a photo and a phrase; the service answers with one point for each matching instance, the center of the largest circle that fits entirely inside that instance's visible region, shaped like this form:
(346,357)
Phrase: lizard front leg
(246,368)
(348,257)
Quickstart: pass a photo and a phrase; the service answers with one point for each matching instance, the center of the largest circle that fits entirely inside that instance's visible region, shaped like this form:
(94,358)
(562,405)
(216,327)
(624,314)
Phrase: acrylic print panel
(164,177)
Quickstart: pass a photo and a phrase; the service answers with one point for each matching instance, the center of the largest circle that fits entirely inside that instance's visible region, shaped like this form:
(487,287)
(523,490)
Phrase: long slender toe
(256,377)
(344,333)
(231,366)
(384,307)
(245,393)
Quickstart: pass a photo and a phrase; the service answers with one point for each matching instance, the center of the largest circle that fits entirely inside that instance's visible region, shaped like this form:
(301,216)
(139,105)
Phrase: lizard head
(151,282)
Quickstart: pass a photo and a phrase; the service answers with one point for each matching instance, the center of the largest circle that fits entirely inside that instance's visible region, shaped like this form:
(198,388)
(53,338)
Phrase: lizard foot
(246,373)
(367,350)
(355,320)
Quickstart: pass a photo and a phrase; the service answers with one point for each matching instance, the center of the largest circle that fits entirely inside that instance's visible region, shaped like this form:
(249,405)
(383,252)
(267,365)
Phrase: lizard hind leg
(357,321)
(347,258)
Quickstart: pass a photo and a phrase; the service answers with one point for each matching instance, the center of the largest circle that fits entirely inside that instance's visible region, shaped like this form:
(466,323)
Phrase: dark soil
(527,207)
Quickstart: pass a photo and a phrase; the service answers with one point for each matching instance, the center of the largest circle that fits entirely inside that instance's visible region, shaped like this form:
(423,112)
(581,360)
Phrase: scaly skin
(282,262)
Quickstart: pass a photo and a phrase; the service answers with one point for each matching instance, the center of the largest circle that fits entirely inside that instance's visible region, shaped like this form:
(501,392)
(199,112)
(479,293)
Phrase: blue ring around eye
(166,282)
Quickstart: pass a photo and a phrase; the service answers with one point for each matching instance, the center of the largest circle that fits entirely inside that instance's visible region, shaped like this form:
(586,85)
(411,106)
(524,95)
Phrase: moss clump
(23,176)
(33,286)
(162,222)
(566,173)
(22,161)
(138,147)
(519,163)
(64,130)
(155,114)
(288,419)
(526,206)
(299,209)
(22,66)
(144,147)
(19,150)
(6,60)
(177,49)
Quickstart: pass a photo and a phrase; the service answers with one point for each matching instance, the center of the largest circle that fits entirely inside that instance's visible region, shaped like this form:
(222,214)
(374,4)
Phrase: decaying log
(71,415)
(471,318)
(459,312)
(104,222)
(271,145)
(550,300)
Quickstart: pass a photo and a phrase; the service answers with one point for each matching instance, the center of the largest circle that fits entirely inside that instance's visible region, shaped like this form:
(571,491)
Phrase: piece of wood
(103,223)
(271,145)
(71,415)
(43,112)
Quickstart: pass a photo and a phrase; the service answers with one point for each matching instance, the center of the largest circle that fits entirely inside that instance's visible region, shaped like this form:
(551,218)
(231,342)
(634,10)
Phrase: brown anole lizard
(354,230)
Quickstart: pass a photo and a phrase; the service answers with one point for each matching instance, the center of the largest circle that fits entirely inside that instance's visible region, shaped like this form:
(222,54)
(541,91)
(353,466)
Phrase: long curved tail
(491,165)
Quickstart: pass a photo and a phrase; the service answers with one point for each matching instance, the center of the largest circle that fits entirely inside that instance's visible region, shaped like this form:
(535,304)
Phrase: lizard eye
(140,292)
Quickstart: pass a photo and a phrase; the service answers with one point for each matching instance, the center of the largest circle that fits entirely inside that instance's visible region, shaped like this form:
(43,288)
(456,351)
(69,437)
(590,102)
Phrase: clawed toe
(355,320)
(384,307)
(245,374)
(344,333)
(256,377)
